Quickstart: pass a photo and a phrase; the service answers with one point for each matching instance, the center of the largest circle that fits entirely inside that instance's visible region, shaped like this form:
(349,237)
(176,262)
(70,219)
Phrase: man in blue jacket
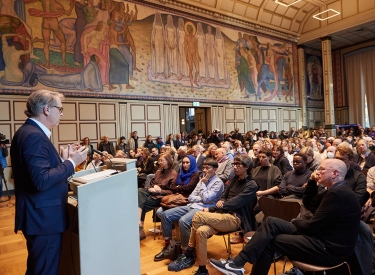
(41,182)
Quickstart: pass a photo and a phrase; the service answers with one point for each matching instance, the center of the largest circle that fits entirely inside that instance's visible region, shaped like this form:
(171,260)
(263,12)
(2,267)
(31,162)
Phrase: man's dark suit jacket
(41,186)
(107,147)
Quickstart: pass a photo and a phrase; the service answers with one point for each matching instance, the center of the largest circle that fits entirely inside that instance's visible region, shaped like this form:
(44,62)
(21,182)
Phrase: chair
(156,219)
(282,209)
(227,246)
(316,268)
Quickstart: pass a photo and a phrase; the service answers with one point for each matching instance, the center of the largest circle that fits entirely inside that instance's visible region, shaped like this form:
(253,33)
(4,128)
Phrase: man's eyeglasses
(61,109)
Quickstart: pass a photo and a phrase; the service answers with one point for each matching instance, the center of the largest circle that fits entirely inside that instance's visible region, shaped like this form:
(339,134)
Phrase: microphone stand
(5,183)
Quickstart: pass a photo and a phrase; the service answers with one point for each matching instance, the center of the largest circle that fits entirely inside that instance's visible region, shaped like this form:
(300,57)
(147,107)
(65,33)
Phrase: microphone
(101,153)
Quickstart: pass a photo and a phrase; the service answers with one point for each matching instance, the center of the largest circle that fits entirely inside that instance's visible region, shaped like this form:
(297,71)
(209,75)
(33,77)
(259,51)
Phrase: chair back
(285,210)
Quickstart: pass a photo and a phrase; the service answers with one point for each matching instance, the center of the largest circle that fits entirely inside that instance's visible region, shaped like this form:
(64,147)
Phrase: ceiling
(354,24)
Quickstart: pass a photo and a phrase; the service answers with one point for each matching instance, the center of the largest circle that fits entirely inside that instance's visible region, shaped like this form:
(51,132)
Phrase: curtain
(360,80)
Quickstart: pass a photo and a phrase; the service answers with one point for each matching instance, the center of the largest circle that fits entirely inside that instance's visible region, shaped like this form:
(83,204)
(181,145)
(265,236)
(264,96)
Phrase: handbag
(174,200)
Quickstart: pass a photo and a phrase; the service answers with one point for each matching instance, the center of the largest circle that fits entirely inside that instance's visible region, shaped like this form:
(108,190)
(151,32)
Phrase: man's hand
(220,204)
(206,177)
(3,145)
(205,210)
(260,193)
(77,153)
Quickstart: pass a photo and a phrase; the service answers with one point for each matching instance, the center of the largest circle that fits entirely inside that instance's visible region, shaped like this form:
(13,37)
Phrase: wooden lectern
(103,237)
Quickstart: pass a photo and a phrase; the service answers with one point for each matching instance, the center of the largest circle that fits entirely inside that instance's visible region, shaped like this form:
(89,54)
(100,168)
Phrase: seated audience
(187,178)
(234,209)
(145,166)
(206,194)
(123,146)
(355,179)
(253,154)
(85,142)
(291,186)
(325,239)
(160,184)
(95,163)
(170,141)
(311,163)
(225,170)
(267,176)
(107,146)
(362,153)
(280,161)
(199,157)
(149,144)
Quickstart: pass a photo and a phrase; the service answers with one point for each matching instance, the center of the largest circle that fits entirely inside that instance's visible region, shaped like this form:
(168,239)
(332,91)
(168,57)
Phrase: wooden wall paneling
(137,112)
(6,129)
(153,112)
(264,126)
(140,127)
(107,129)
(256,113)
(67,132)
(240,114)
(70,112)
(229,126)
(272,114)
(256,125)
(279,119)
(229,114)
(241,126)
(5,111)
(89,130)
(123,126)
(87,112)
(264,115)
(107,111)
(154,129)
(286,115)
(272,126)
(213,117)
(19,108)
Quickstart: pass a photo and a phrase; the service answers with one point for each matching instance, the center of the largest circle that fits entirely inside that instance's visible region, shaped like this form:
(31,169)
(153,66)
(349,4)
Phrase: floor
(13,253)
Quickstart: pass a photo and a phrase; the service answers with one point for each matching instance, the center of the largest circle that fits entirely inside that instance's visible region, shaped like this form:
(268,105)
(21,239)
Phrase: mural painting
(119,49)
(314,70)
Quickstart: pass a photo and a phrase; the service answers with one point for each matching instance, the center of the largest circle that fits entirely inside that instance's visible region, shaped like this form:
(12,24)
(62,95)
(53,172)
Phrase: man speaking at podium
(41,182)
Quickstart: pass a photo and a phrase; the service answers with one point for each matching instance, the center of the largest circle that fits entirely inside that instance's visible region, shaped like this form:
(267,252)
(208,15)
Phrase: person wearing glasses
(325,239)
(233,210)
(205,194)
(41,181)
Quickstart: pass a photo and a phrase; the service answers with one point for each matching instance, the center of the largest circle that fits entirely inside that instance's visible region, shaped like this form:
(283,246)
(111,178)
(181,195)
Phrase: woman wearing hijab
(187,178)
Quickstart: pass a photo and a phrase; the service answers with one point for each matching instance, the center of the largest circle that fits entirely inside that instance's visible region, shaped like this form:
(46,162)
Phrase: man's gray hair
(38,99)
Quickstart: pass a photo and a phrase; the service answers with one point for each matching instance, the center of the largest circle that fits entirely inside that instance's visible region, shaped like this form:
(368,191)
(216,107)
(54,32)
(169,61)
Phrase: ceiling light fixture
(335,13)
(285,4)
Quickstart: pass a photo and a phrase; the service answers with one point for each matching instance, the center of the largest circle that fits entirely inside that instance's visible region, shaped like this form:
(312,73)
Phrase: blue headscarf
(184,177)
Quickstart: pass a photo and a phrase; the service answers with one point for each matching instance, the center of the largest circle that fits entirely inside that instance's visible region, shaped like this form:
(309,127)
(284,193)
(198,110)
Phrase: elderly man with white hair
(362,153)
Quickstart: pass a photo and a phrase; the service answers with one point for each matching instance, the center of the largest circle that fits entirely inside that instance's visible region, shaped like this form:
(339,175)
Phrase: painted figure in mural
(128,19)
(7,7)
(222,76)
(210,53)
(240,46)
(202,52)
(171,47)
(252,66)
(192,54)
(95,40)
(244,78)
(51,11)
(158,48)
(89,79)
(122,28)
(90,12)
(79,26)
(67,27)
(117,61)
(314,71)
(13,74)
(288,80)
(182,66)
